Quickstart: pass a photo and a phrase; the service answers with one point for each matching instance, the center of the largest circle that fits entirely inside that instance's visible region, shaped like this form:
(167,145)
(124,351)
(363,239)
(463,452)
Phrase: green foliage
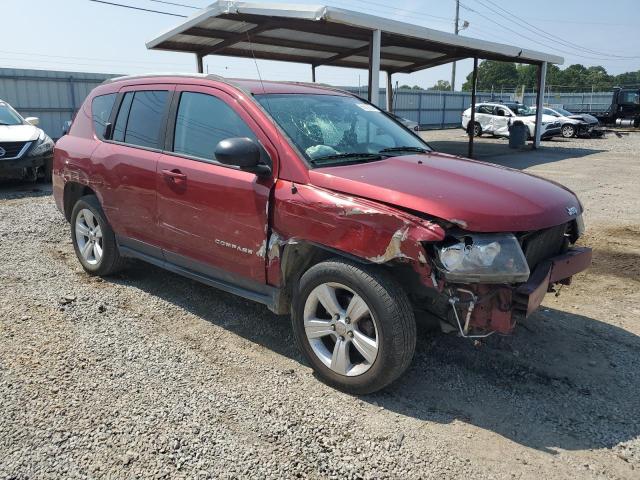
(497,75)
(441,85)
(407,87)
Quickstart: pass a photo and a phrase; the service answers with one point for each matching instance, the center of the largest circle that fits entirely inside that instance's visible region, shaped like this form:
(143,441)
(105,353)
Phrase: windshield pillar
(374,67)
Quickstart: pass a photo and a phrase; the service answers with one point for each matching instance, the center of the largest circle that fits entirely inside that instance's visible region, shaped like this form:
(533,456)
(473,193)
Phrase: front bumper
(24,162)
(497,308)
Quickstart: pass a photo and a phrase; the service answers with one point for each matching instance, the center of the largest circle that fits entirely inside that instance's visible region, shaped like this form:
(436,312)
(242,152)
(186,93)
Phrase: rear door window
(146,117)
(121,119)
(101,111)
(141,117)
(202,121)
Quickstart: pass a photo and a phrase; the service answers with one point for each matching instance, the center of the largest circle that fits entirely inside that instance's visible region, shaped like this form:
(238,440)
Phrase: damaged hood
(585,118)
(478,196)
(18,133)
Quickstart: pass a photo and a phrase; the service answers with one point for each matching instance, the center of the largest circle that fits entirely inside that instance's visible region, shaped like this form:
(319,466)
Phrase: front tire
(354,324)
(93,239)
(568,131)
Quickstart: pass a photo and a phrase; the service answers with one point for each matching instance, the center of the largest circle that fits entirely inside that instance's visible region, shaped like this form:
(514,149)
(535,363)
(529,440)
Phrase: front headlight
(43,145)
(483,258)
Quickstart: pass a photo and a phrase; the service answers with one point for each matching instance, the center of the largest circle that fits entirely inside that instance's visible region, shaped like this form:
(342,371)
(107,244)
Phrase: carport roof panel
(321,35)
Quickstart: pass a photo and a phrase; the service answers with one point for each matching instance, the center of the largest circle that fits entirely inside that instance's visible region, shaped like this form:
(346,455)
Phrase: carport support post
(542,76)
(389,92)
(374,67)
(313,73)
(472,122)
(199,64)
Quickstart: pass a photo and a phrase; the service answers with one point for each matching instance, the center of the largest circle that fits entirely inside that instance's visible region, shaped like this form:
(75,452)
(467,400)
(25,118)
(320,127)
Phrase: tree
(492,74)
(408,87)
(441,85)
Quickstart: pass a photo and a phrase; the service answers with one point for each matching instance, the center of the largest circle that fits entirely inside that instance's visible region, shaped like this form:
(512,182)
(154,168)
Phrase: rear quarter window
(101,107)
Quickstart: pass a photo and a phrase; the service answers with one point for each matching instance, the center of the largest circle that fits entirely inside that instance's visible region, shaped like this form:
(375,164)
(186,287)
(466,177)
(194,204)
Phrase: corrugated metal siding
(54,97)
(50,95)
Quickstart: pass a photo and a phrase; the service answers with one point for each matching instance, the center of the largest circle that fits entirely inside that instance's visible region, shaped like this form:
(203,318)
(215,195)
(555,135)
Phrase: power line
(138,8)
(177,4)
(548,35)
(520,34)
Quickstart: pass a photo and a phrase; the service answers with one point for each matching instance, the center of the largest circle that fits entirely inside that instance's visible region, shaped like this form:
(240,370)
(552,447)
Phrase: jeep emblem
(572,211)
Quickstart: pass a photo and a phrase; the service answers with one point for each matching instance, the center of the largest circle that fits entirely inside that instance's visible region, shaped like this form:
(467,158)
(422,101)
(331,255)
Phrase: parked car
(495,118)
(25,150)
(410,124)
(573,125)
(316,204)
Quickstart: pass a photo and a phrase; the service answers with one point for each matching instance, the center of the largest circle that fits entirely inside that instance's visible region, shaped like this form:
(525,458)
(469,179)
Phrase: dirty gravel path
(149,375)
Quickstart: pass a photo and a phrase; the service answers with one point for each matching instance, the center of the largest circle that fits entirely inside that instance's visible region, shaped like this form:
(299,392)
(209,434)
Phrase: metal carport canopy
(322,35)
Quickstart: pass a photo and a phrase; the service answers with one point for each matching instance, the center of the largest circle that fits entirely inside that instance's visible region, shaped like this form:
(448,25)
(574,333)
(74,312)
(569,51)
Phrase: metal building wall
(50,95)
(54,97)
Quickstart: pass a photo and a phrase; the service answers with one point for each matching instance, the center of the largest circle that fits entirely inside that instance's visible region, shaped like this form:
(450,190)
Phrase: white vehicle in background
(410,124)
(25,150)
(572,125)
(495,119)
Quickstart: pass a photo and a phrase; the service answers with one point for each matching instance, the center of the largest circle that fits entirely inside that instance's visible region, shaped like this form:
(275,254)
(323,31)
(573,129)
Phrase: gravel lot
(150,375)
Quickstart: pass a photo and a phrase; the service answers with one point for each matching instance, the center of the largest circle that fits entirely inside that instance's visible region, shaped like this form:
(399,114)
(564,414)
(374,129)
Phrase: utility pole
(453,67)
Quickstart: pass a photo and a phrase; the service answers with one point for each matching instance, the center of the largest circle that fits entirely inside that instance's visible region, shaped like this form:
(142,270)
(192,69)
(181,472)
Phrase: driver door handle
(174,175)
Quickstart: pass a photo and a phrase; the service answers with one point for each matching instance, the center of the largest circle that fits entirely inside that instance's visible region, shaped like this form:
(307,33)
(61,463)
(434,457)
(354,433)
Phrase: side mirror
(241,152)
(35,121)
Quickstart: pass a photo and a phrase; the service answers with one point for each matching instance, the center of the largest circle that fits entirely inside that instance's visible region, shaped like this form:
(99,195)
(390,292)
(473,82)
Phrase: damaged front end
(477,283)
(493,280)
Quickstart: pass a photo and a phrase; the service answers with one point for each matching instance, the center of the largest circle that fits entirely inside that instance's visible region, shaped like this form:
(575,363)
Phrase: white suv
(25,150)
(495,118)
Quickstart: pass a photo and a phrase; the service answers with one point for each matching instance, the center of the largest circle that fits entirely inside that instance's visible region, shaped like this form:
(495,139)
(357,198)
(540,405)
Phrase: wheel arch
(299,256)
(73,191)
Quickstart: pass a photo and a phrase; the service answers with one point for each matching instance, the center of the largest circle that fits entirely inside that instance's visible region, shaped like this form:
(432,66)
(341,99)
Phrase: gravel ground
(149,375)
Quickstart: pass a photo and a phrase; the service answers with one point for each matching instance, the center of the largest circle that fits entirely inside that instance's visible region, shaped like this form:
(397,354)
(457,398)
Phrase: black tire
(110,261)
(388,303)
(47,171)
(568,131)
(476,131)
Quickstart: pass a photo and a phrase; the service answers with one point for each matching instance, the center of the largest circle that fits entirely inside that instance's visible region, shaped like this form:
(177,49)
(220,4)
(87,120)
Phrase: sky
(80,35)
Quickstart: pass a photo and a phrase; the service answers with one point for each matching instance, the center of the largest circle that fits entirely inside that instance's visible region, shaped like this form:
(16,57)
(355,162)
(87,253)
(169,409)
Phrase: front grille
(543,244)
(11,149)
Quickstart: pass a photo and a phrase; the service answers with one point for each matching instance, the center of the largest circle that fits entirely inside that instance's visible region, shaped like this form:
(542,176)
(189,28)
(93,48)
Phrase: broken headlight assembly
(43,146)
(483,258)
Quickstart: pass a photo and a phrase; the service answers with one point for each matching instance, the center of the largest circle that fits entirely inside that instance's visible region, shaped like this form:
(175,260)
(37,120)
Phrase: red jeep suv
(315,203)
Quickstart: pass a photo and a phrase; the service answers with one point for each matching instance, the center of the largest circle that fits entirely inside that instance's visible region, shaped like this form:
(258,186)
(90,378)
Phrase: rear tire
(476,131)
(357,355)
(93,239)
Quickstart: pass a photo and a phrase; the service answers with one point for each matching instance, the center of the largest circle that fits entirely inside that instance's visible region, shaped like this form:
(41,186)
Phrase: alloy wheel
(89,236)
(341,329)
(568,131)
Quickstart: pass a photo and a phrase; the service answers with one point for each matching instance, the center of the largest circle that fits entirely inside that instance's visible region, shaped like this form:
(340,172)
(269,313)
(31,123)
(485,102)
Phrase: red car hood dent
(478,196)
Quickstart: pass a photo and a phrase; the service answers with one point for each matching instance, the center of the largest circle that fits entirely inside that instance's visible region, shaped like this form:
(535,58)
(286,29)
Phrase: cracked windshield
(338,130)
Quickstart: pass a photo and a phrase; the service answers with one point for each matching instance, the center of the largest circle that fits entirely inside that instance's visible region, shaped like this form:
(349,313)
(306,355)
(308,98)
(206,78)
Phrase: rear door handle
(174,175)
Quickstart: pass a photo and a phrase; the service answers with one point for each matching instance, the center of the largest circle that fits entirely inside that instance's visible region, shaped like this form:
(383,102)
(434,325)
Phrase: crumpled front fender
(368,230)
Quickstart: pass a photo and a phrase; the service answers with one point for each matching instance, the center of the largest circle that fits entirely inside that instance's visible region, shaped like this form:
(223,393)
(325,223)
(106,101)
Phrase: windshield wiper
(339,156)
(404,149)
